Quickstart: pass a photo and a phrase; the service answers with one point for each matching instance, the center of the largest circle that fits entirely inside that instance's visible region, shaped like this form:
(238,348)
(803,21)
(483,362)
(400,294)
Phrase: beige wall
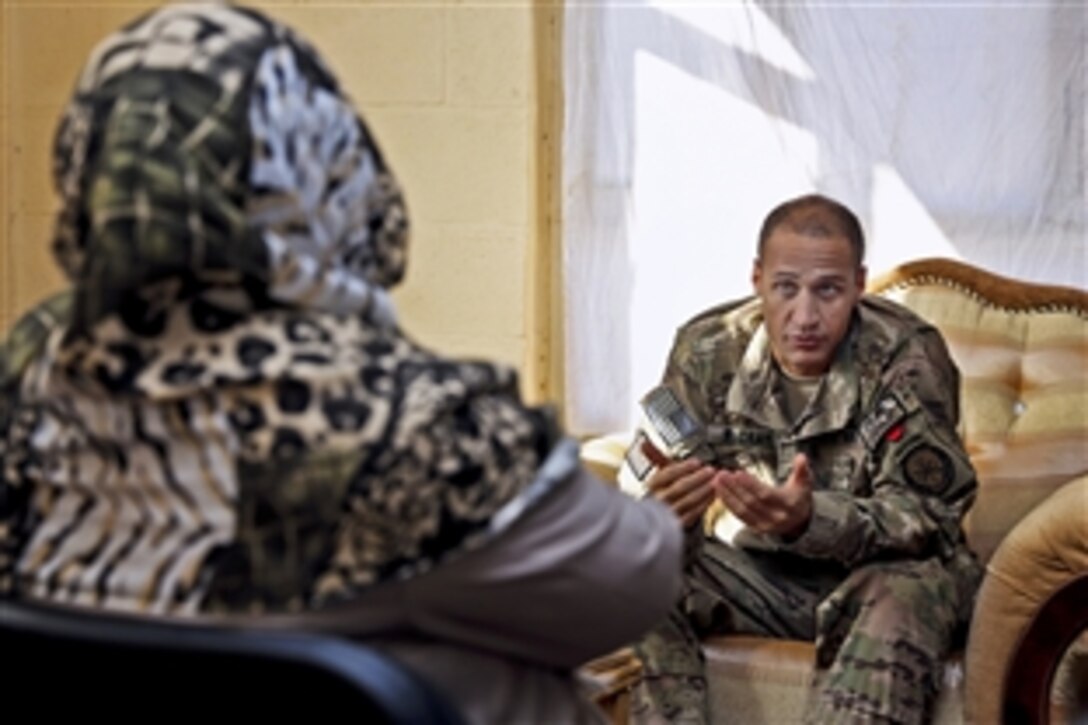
(462,98)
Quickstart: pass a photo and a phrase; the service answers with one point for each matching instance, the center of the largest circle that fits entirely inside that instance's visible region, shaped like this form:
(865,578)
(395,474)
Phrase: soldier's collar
(836,400)
(752,389)
(751,392)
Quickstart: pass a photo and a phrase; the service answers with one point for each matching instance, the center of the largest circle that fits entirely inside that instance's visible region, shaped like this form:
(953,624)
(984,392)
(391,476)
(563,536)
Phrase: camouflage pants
(881,632)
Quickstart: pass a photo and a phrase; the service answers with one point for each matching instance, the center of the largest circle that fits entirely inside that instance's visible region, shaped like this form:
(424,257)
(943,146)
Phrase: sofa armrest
(1046,553)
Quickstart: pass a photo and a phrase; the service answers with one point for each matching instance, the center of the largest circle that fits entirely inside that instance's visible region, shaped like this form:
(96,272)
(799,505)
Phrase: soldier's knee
(917,594)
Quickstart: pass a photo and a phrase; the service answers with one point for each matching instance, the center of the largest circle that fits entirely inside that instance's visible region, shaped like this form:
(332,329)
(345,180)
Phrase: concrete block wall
(452,91)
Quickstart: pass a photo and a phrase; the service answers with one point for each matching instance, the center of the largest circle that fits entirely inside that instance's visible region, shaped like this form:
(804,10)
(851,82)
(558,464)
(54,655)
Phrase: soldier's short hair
(818,216)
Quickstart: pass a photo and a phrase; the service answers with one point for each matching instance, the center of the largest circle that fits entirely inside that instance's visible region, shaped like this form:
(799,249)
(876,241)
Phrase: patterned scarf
(222,414)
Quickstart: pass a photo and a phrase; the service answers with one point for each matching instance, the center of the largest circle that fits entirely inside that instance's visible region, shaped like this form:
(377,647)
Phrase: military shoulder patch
(928,468)
(886,413)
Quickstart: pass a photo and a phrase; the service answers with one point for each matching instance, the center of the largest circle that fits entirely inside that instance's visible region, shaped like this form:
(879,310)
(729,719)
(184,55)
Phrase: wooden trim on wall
(544,304)
(6,301)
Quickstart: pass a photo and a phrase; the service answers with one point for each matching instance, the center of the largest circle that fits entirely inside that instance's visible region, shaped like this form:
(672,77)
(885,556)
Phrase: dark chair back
(60,662)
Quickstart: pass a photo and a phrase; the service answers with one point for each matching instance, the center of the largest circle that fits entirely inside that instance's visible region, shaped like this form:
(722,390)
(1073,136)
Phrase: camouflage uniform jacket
(892,478)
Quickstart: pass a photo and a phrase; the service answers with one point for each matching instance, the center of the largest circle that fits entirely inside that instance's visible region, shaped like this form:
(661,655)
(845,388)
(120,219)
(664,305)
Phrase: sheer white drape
(952,129)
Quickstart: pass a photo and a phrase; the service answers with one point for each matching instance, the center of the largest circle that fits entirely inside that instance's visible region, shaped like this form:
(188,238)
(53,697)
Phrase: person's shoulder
(28,336)
(718,335)
(893,334)
(729,319)
(891,324)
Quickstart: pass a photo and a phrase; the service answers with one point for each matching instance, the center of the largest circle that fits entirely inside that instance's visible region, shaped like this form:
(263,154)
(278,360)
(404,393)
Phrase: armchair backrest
(64,662)
(1022,350)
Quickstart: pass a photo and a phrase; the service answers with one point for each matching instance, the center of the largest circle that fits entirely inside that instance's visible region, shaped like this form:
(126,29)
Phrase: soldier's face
(809,287)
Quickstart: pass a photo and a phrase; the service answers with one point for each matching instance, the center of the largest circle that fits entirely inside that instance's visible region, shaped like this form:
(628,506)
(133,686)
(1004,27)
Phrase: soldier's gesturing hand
(684,486)
(783,510)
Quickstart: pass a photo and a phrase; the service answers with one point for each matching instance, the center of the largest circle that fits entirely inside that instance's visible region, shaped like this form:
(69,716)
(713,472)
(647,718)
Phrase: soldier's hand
(684,486)
(783,510)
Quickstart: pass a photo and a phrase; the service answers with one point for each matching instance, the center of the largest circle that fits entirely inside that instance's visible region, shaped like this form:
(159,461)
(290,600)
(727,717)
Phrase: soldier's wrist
(798,530)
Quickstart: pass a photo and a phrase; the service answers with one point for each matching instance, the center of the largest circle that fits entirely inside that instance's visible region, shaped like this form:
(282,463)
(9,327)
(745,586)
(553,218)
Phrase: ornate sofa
(1022,350)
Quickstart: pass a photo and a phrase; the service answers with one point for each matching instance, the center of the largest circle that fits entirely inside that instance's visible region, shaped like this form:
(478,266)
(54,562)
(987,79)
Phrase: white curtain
(954,130)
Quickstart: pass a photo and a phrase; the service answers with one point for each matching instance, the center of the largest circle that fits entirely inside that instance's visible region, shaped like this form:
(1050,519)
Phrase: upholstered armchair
(1022,350)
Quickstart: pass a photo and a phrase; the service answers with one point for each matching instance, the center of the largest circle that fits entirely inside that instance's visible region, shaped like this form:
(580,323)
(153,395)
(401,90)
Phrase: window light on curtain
(952,129)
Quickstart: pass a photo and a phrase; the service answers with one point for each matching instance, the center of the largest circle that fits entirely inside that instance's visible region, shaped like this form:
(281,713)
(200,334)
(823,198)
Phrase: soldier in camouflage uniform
(830,487)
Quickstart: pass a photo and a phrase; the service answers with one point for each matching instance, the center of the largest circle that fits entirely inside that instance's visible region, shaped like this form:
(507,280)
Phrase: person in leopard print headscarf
(223,416)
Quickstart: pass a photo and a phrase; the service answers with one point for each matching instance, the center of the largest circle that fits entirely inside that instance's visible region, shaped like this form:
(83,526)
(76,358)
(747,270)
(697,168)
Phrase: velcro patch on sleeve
(886,413)
(929,468)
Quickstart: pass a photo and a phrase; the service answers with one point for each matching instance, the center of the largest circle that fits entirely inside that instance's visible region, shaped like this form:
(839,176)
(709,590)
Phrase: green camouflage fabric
(222,413)
(882,579)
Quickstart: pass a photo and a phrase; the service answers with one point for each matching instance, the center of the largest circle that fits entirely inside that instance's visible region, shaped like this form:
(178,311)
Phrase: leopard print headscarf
(208,154)
(223,413)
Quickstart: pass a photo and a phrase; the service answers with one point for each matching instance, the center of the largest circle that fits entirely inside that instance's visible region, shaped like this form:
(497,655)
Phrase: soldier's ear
(862,276)
(757,274)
